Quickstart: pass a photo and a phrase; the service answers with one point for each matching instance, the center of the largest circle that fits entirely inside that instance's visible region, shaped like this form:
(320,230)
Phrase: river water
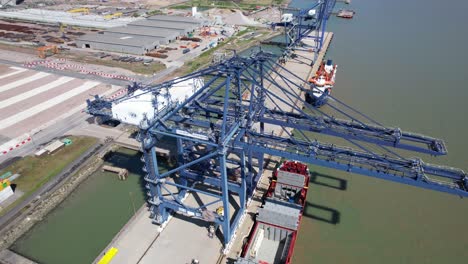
(85,222)
(405,64)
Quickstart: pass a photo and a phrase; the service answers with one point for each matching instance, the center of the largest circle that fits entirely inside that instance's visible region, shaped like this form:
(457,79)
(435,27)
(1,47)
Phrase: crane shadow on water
(328,181)
(322,213)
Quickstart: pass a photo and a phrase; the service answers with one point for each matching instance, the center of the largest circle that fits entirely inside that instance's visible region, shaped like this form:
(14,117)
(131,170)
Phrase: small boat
(321,84)
(348,14)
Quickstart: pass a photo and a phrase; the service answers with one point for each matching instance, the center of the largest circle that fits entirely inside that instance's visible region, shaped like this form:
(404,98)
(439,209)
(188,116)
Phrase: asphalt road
(145,80)
(78,121)
(70,74)
(45,135)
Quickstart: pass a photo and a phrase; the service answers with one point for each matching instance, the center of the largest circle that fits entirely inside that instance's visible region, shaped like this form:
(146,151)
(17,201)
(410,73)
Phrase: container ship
(321,84)
(272,239)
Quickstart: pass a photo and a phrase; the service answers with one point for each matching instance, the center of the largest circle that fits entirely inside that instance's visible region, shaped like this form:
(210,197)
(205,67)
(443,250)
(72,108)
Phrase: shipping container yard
(239,132)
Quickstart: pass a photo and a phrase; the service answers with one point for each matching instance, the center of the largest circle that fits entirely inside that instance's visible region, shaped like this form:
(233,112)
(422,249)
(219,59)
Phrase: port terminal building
(141,36)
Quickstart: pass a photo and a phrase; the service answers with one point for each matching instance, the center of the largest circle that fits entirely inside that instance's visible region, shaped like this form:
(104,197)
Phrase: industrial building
(178,19)
(126,44)
(140,36)
(54,17)
(164,36)
(9,2)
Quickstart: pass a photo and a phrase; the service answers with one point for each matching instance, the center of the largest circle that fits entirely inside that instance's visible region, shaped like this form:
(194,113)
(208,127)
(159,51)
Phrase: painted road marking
(18,71)
(26,80)
(5,123)
(31,93)
(108,256)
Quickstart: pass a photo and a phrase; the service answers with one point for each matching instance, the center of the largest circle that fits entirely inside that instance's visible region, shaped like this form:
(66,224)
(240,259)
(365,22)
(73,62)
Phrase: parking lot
(29,100)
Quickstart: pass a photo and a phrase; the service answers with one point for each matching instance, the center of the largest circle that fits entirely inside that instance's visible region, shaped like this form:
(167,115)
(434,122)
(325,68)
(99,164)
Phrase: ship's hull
(321,84)
(317,98)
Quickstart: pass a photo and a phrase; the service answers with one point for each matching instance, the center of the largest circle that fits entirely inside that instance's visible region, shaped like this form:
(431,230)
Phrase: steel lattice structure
(306,25)
(229,126)
(253,107)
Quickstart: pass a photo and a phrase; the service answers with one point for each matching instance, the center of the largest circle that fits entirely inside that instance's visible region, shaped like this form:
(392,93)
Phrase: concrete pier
(184,239)
(120,137)
(123,173)
(300,67)
(9,257)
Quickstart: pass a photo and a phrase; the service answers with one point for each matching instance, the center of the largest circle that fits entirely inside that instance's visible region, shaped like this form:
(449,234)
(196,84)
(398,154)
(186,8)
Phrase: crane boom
(248,107)
(206,103)
(371,133)
(305,23)
(407,171)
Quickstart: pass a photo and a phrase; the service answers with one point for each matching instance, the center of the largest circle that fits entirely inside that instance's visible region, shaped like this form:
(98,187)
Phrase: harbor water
(403,63)
(86,221)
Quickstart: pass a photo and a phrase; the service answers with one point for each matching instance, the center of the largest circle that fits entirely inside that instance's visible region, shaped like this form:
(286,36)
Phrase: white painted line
(5,123)
(18,71)
(31,93)
(26,80)
(36,130)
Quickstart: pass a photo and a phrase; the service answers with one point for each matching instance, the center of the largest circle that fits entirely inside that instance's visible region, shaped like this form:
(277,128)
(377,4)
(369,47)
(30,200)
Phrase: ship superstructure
(322,83)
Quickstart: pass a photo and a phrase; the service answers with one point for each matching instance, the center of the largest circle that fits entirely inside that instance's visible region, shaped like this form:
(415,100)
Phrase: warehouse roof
(145,33)
(176,19)
(54,146)
(134,41)
(150,39)
(163,24)
(151,32)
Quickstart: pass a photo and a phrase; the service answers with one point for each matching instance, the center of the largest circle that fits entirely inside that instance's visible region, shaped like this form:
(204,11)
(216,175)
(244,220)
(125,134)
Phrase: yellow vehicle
(112,16)
(220,211)
(79,10)
(4,184)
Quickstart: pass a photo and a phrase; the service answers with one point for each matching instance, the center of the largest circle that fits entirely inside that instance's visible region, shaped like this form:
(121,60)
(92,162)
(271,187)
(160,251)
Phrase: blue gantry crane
(309,23)
(248,109)
(225,130)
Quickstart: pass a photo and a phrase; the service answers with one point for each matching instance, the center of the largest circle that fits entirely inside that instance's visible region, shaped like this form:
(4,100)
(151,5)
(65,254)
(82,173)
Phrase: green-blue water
(86,221)
(404,63)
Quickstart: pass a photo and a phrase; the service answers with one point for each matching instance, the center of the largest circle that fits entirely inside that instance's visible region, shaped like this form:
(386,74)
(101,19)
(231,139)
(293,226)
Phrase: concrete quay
(9,257)
(301,68)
